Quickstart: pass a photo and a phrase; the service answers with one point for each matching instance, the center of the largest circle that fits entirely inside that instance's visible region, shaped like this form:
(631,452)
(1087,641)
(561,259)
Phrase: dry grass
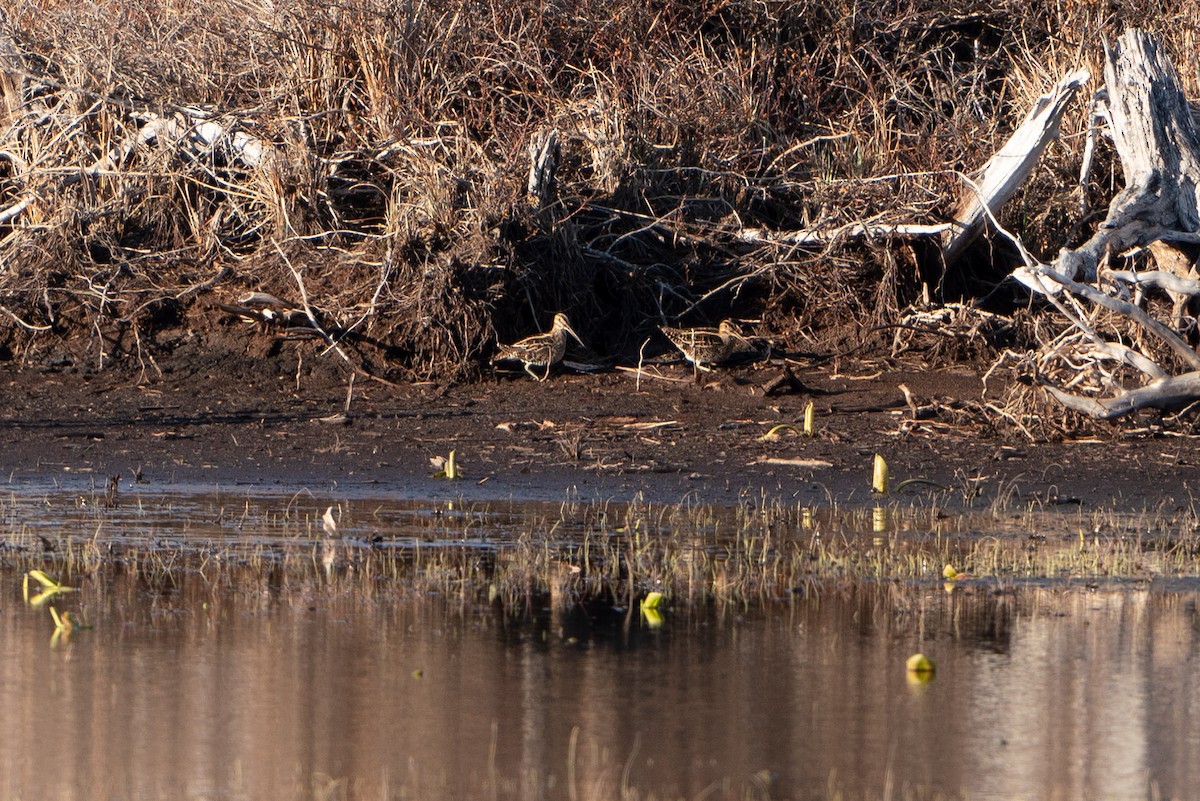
(583,554)
(396,163)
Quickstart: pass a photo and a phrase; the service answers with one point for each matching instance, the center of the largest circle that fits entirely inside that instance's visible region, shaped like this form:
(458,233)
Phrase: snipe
(542,351)
(704,347)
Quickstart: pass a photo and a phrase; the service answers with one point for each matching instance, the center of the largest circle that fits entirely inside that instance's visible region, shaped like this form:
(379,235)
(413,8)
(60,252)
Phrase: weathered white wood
(1180,348)
(858,230)
(249,150)
(999,180)
(1160,279)
(1119,352)
(1009,167)
(1172,392)
(1159,148)
(1097,117)
(10,213)
(180,130)
(543,165)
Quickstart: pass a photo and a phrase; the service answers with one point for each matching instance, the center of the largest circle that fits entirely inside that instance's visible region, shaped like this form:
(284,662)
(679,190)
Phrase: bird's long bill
(567,327)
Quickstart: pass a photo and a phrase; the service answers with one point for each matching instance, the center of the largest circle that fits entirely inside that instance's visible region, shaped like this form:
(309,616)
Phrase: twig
(641,361)
(639,372)
(856,230)
(308,313)
(737,279)
(22,323)
(14,210)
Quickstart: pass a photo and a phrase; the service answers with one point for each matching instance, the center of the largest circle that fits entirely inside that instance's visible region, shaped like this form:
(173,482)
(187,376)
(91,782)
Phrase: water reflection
(184,690)
(242,669)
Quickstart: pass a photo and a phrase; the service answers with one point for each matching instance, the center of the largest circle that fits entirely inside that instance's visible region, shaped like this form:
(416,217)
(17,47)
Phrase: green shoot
(51,588)
(776,432)
(447,467)
(879,476)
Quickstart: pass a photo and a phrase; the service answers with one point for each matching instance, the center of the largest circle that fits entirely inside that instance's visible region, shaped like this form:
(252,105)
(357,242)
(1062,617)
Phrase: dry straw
(158,159)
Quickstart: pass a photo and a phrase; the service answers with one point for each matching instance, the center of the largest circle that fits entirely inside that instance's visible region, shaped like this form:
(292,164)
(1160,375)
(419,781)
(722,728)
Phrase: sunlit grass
(689,554)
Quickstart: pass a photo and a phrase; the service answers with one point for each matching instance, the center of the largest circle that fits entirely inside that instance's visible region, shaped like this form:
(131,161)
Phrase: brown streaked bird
(542,351)
(708,346)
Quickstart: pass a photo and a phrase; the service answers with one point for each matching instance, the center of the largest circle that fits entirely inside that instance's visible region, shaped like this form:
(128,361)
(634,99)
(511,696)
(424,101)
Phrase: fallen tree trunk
(1172,392)
(1159,149)
(1005,171)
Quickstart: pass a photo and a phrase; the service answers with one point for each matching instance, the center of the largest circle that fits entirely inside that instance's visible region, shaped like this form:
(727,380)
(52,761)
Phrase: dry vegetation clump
(1061,355)
(597,555)
(366,163)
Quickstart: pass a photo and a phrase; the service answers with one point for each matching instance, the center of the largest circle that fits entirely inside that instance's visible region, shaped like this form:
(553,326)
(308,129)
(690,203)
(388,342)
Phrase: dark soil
(234,423)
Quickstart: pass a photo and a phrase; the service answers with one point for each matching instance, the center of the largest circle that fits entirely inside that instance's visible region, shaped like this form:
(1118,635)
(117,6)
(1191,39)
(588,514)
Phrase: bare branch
(1011,165)
(1172,392)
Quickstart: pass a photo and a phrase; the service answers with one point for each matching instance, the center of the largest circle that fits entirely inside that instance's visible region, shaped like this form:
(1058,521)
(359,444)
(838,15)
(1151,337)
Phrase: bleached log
(858,230)
(1159,149)
(1172,392)
(1008,169)
(1160,279)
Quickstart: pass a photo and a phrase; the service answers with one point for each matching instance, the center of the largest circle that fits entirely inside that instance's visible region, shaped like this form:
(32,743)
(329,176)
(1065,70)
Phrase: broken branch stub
(1008,169)
(12,70)
(1159,149)
(544,152)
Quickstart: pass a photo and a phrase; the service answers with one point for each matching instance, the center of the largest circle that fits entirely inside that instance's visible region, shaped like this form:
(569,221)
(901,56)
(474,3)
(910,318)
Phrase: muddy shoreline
(599,436)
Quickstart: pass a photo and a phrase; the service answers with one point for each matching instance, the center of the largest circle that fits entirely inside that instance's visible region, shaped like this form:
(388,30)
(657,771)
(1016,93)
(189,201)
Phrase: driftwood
(1157,142)
(1004,173)
(1171,392)
(997,181)
(1159,149)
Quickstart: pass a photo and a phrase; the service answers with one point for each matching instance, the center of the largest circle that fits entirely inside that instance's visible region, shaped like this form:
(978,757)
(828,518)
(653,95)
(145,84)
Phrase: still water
(199,688)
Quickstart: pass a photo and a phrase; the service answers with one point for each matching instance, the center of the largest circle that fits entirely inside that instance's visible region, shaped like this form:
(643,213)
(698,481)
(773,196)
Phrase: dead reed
(367,161)
(696,556)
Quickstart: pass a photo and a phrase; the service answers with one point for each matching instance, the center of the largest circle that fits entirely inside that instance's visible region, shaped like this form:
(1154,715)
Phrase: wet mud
(588,436)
